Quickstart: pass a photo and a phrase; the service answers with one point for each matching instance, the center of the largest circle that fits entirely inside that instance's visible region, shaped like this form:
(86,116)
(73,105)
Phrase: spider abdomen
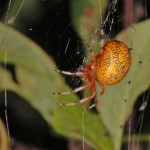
(114,63)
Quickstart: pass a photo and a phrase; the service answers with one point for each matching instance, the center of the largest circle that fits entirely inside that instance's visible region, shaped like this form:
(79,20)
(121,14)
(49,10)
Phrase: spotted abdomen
(114,63)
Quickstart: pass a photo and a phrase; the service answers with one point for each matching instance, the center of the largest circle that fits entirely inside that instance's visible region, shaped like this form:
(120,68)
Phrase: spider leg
(102,42)
(100,53)
(102,87)
(75,90)
(71,73)
(84,99)
(93,105)
(102,35)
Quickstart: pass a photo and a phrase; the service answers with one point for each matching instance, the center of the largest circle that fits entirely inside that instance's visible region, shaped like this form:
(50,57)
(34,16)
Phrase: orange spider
(108,67)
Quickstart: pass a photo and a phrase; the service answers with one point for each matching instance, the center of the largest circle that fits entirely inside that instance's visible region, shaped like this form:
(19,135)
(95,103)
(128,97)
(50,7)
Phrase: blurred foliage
(35,80)
(19,12)
(86,17)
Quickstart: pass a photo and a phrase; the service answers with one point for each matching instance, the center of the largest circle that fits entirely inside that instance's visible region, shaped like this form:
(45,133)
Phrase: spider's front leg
(71,73)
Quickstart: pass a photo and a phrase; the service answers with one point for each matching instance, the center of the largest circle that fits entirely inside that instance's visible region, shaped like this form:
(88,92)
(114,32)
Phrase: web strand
(100,12)
(5,64)
(129,136)
(9,4)
(145,5)
(83,134)
(19,9)
(5,83)
(5,96)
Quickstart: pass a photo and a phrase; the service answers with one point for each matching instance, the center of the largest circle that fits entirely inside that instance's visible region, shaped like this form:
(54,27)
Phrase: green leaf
(19,10)
(117,102)
(86,16)
(72,122)
(34,79)
(3,137)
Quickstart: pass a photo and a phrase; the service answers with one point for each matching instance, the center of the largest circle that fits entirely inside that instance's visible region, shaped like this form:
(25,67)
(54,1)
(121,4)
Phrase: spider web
(69,50)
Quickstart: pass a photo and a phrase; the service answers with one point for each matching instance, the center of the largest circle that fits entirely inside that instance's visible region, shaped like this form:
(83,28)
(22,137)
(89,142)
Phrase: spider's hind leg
(81,101)
(93,105)
(75,90)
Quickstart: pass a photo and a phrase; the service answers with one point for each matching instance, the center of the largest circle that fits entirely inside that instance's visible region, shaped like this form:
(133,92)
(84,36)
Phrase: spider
(108,67)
